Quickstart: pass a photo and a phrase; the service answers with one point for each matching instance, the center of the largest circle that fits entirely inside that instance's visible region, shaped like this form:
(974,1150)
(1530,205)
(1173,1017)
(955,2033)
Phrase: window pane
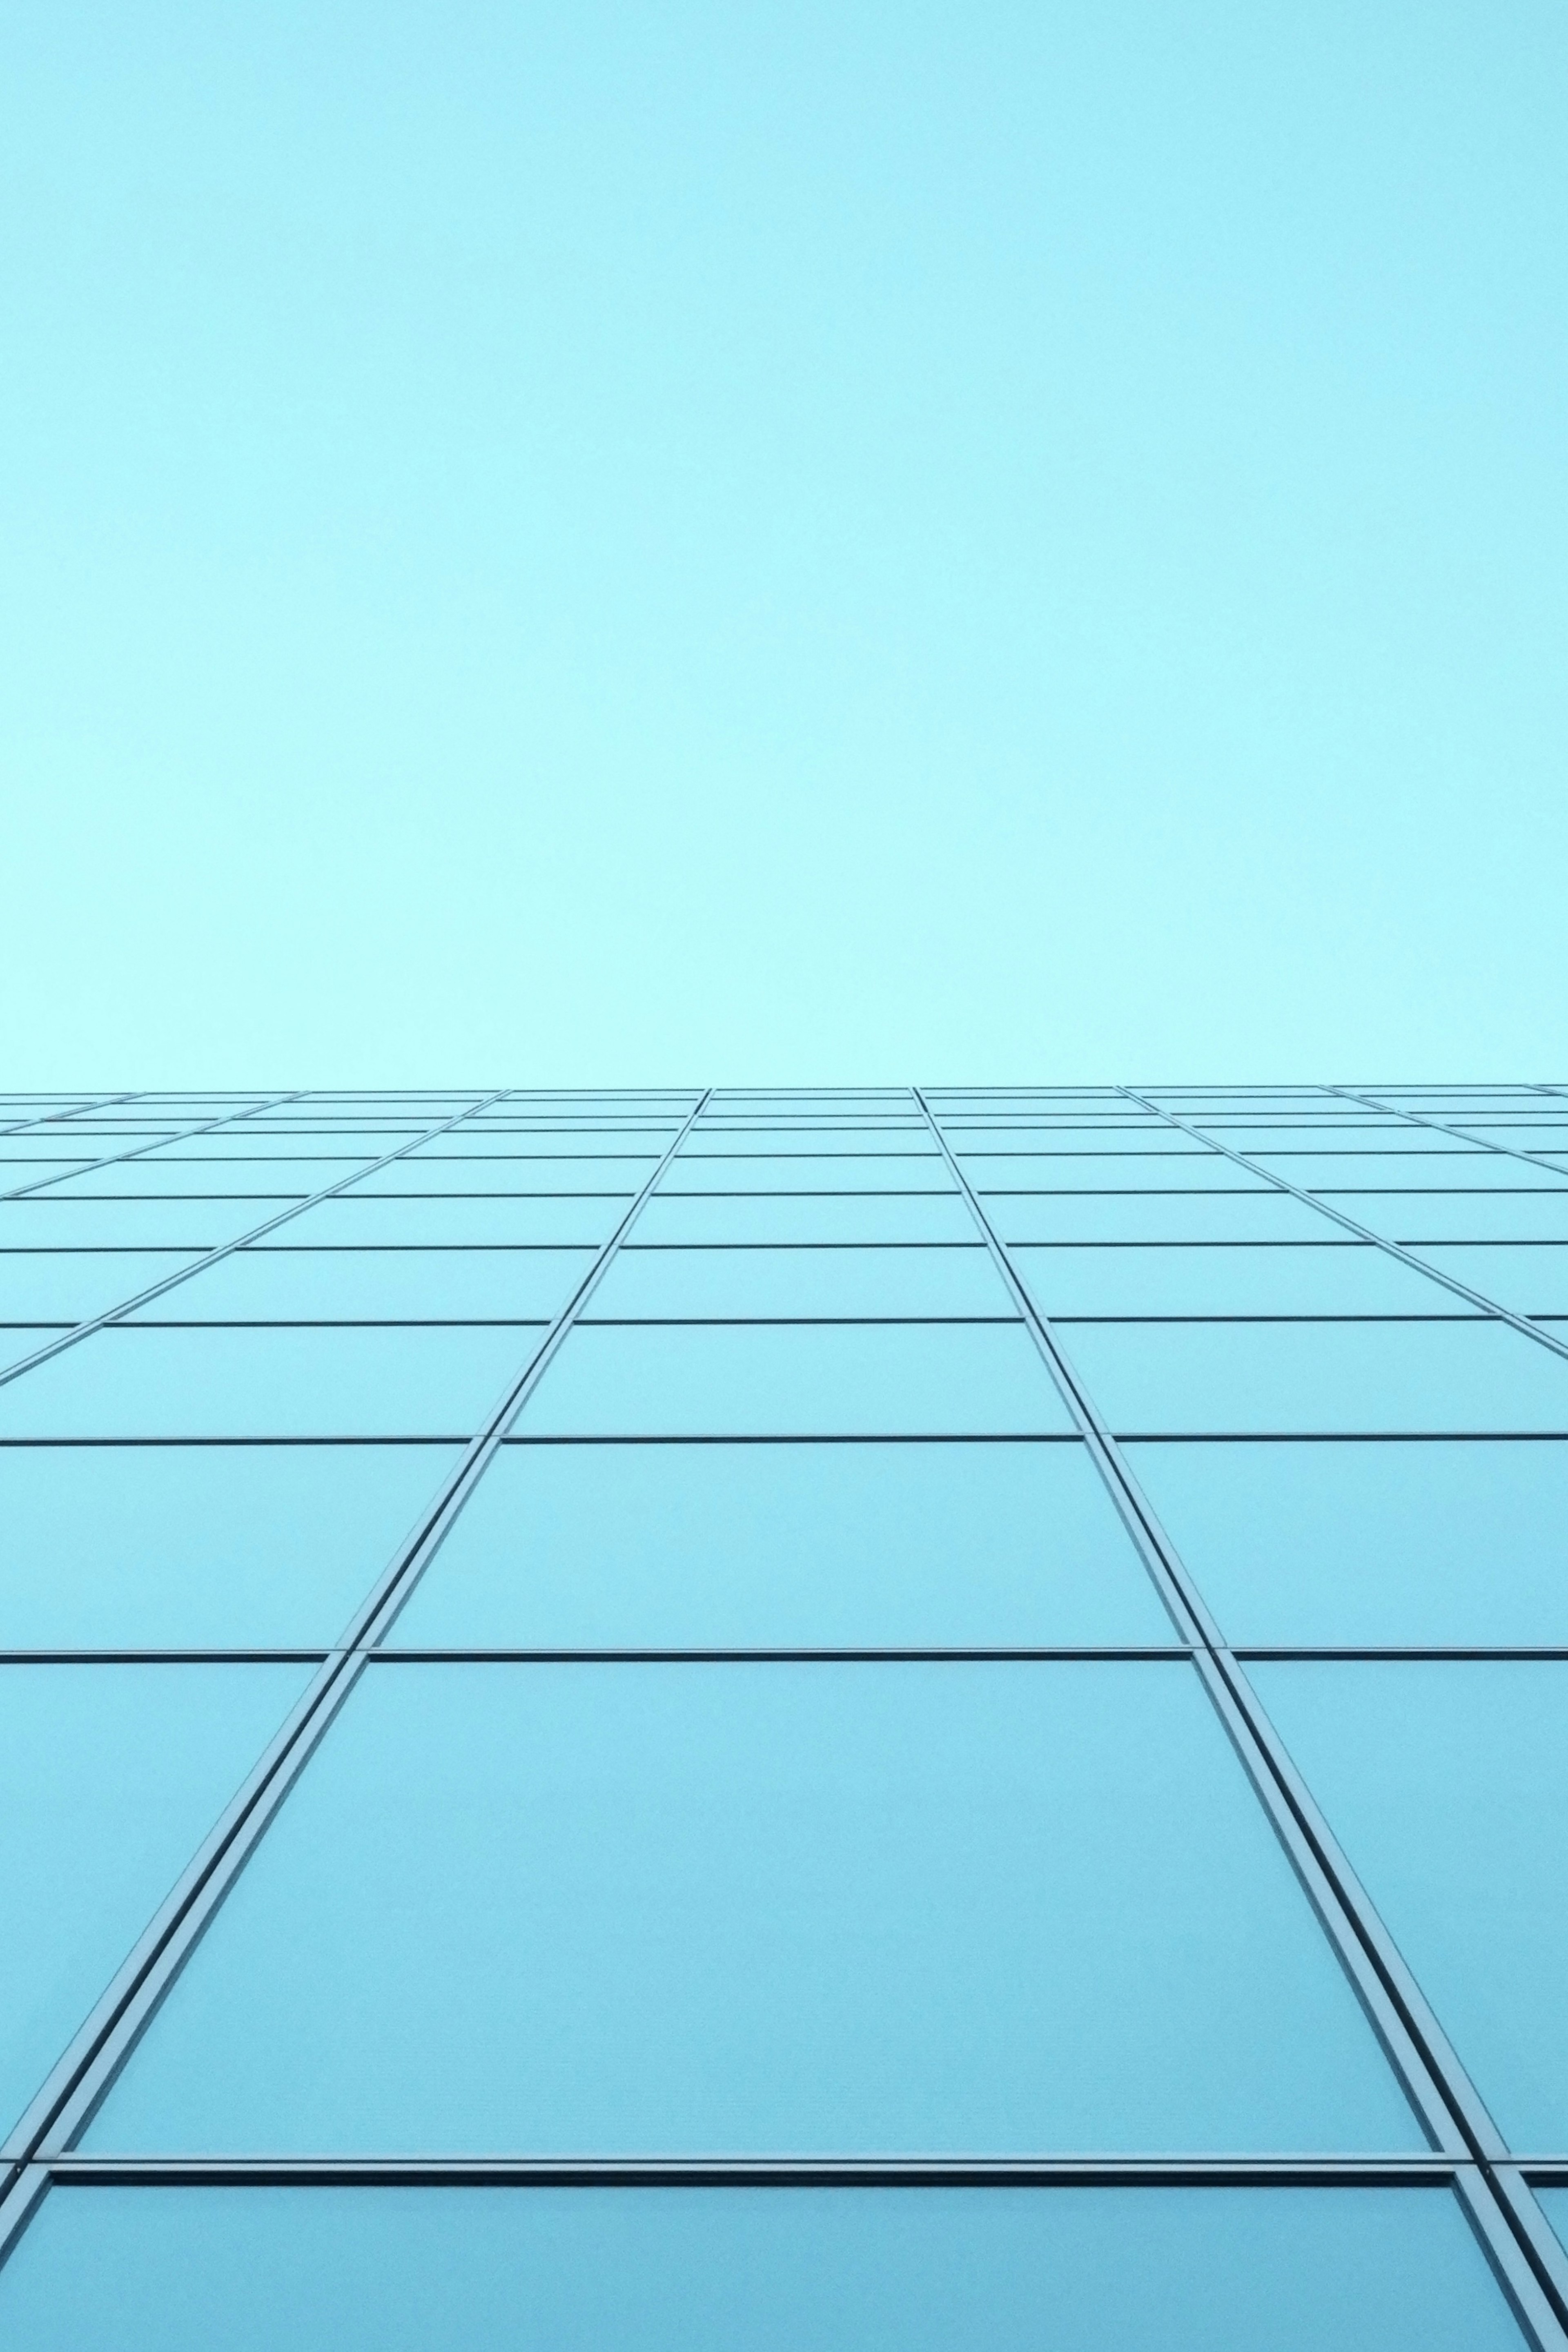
(1193,1172)
(783,1547)
(804,1173)
(46,1223)
(1263,1278)
(912,1136)
(112,1776)
(1531,1278)
(1302,1377)
(1156,1217)
(136,1382)
(354,1222)
(726,2270)
(426,1174)
(1459,1543)
(137,1180)
(860,1380)
(790,1907)
(1447,1786)
(782,1282)
(73,1285)
(1459,1216)
(1449,1169)
(395,1286)
(201,1547)
(873,1217)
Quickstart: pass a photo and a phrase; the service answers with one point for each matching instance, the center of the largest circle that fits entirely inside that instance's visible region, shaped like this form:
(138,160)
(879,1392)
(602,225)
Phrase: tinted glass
(112,1774)
(358,1221)
(73,1285)
(343,1382)
(140,1180)
(1107,1172)
(1156,1217)
(632,1547)
(1463,1542)
(1466,1375)
(869,1217)
(427,1175)
(1532,1278)
(693,2270)
(119,1547)
(376,1285)
(801,1172)
(1460,1217)
(1446,1168)
(45,1222)
(784,1281)
(914,1379)
(1280,1278)
(784,1906)
(1447,1786)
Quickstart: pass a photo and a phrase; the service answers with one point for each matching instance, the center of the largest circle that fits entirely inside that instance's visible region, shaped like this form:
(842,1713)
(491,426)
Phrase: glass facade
(765,1718)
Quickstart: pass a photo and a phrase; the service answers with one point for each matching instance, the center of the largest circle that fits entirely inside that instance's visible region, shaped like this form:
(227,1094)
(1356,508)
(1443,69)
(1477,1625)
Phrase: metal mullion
(115,1158)
(1441,2092)
(1364,1233)
(240,1241)
(81,2078)
(1442,1126)
(60,1118)
(1179,2171)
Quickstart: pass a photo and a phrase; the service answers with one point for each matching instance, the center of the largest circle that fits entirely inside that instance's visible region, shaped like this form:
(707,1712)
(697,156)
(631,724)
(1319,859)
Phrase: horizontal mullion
(781,2172)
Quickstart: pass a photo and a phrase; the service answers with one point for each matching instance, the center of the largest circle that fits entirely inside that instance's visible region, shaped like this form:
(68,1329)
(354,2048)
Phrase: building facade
(910,1718)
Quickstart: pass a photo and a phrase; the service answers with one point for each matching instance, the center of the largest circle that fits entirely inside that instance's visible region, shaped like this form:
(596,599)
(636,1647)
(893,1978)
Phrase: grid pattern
(762,1716)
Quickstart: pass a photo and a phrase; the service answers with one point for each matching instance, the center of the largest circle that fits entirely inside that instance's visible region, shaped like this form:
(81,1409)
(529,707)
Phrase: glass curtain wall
(742,1720)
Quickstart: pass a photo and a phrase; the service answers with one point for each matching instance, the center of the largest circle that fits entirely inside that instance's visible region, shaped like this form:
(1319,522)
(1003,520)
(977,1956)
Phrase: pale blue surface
(1260,1215)
(144,1180)
(810,1173)
(1473,1375)
(806,1908)
(890,1140)
(287,1284)
(357,1221)
(629,1546)
(855,1380)
(112,1776)
(337,1382)
(1530,1277)
(617,1173)
(70,1286)
(1239,1278)
(354,2270)
(47,1223)
(1447,1787)
(197,1547)
(1107,1172)
(802,539)
(871,1217)
(803,1281)
(1415,1217)
(1454,1170)
(1461,1542)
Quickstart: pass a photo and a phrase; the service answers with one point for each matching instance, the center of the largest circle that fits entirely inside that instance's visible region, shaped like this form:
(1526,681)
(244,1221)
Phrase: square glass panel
(1156,1217)
(353,1221)
(807,1172)
(752,2270)
(1302,1378)
(741,1283)
(1236,1278)
(1531,1278)
(74,1286)
(1447,1784)
(1443,1543)
(867,1217)
(786,1546)
(113,1775)
(134,1380)
(370,1285)
(823,1379)
(199,1546)
(683,1907)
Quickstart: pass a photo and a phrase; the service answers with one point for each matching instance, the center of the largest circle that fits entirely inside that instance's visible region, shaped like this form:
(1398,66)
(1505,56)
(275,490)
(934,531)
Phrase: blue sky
(595,543)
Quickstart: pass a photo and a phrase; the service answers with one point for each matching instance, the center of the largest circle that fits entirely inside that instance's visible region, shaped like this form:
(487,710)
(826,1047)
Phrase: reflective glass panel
(747,1906)
(726,2270)
(1246,1278)
(128,1547)
(804,1172)
(912,1281)
(869,1217)
(112,1774)
(1442,1542)
(162,1177)
(1451,1168)
(390,1285)
(334,1381)
(73,1285)
(427,1175)
(1156,1217)
(1447,1786)
(1531,1278)
(786,1546)
(45,1223)
(860,1380)
(1459,1216)
(1192,1172)
(1472,1374)
(355,1221)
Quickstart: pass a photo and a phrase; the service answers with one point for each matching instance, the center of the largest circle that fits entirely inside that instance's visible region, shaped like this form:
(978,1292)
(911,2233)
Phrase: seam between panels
(241,1241)
(1364,1233)
(82,2077)
(1446,2102)
(1444,1126)
(63,1118)
(186,1135)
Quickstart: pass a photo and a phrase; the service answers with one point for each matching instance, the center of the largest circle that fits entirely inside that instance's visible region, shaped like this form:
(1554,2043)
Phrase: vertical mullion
(1443,1126)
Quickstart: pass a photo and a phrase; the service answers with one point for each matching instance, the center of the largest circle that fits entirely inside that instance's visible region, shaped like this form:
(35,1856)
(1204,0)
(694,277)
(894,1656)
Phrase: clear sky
(574,541)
